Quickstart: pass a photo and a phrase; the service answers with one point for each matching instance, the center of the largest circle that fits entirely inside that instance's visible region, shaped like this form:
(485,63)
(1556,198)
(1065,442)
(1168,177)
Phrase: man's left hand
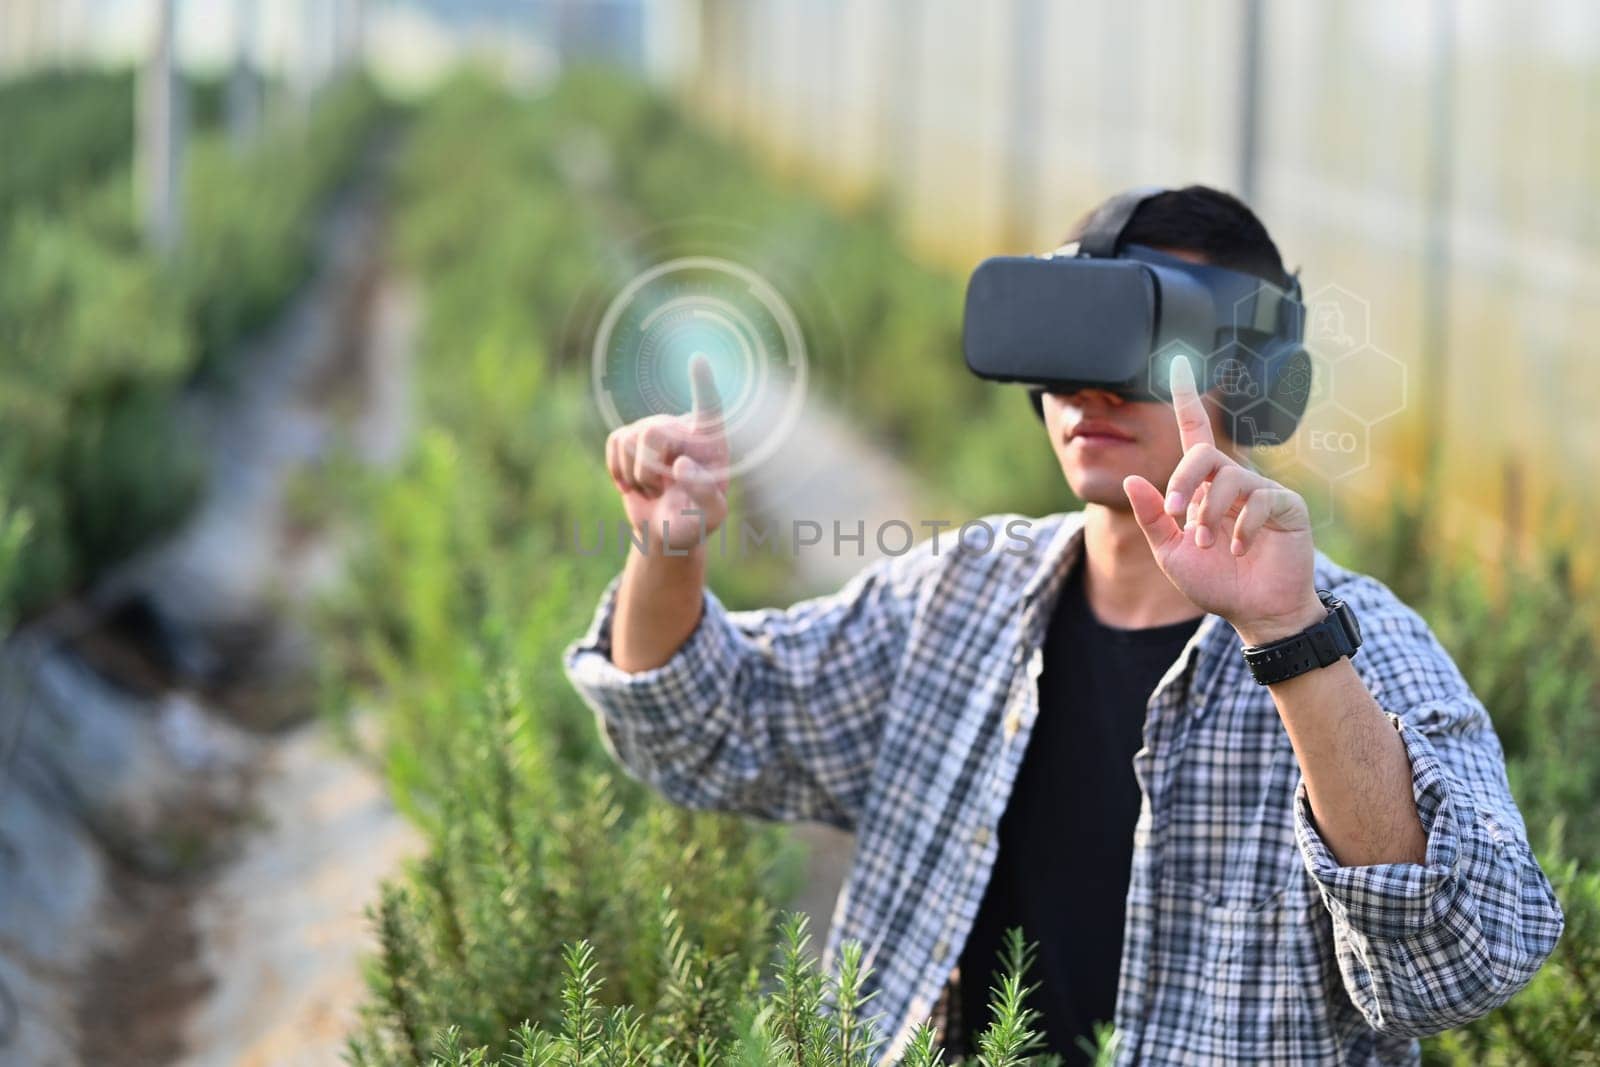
(1244,549)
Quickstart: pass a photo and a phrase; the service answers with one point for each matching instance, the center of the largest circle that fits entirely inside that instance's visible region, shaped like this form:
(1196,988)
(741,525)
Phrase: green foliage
(1530,654)
(1010,1037)
(66,130)
(251,219)
(63,133)
(802,1018)
(98,339)
(92,352)
(454,620)
(14,530)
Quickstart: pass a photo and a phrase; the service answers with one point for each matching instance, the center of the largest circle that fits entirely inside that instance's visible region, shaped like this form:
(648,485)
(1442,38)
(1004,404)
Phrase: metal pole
(903,136)
(1022,150)
(308,56)
(160,137)
(707,78)
(1121,92)
(750,45)
(333,31)
(721,61)
(1250,101)
(23,34)
(355,44)
(244,88)
(1437,242)
(825,96)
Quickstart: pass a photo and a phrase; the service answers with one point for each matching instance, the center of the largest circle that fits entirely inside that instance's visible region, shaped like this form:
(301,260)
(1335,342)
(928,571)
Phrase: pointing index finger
(705,401)
(1194,425)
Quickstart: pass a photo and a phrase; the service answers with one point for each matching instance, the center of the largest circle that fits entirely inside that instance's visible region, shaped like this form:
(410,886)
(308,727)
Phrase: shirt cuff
(1393,900)
(680,690)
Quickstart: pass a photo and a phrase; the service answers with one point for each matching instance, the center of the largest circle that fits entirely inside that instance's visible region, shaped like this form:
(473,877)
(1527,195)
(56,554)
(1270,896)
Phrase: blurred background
(301,424)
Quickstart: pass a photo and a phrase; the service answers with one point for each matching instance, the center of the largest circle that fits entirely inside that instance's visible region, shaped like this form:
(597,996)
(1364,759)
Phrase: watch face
(1352,627)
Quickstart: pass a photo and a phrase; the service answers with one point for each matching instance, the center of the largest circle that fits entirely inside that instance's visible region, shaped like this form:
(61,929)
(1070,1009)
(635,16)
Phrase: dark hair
(1198,218)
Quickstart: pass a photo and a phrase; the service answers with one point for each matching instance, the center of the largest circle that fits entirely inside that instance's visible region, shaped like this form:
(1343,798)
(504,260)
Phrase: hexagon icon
(1160,367)
(1268,452)
(1253,315)
(1370,384)
(1337,321)
(1290,471)
(1334,443)
(1300,384)
(1233,379)
(1258,424)
(1320,392)
(1241,380)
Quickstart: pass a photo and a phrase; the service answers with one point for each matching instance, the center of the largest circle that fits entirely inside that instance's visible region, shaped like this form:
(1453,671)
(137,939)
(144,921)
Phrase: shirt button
(940,951)
(980,836)
(1013,723)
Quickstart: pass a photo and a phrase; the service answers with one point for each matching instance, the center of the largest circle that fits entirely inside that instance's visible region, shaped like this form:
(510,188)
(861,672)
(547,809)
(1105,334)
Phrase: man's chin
(1103,488)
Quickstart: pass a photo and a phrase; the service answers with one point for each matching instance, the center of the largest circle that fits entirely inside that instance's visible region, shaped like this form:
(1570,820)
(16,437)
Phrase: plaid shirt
(899,708)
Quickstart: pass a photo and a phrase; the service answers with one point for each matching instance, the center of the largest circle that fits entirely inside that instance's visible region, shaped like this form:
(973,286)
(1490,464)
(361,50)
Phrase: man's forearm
(658,606)
(1358,776)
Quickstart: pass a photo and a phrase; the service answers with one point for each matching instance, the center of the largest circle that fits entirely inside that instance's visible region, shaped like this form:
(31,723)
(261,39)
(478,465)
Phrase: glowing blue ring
(765,294)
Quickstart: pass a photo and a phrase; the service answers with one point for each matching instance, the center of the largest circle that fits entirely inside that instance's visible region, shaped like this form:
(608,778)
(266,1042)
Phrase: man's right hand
(665,465)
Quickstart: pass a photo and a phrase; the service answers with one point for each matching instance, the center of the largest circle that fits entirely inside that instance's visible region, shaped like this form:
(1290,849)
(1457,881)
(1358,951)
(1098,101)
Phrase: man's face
(1100,437)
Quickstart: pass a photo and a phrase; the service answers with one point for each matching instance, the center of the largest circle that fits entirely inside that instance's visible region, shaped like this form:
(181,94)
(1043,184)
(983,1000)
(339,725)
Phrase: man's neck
(1125,586)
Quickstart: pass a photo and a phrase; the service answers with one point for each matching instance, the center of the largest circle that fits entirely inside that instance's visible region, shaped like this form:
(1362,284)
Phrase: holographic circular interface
(710,305)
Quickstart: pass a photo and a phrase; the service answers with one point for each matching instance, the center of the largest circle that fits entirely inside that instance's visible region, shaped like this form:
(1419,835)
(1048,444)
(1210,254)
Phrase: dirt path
(185,856)
(282,929)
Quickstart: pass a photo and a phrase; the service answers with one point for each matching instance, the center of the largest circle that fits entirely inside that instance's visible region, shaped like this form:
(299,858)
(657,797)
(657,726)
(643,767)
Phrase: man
(1069,739)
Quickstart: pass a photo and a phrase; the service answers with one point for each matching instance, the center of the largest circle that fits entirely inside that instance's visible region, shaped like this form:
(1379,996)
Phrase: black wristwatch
(1336,636)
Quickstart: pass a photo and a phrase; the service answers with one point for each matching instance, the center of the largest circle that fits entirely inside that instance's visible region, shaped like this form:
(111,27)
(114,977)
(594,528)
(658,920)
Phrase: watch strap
(1316,646)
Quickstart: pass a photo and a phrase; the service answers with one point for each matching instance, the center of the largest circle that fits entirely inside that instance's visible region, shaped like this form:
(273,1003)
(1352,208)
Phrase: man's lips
(1089,430)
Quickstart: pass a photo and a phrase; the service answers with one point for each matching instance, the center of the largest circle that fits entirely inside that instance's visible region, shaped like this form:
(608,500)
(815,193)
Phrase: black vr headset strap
(1292,311)
(1105,226)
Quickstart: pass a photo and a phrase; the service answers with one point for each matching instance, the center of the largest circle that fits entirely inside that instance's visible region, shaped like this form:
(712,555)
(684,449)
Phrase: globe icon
(1233,378)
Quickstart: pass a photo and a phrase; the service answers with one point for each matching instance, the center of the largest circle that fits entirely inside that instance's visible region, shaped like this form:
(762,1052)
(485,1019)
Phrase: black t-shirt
(1066,838)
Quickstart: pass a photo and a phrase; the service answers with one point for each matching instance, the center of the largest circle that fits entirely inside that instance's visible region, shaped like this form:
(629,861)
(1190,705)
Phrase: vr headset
(1097,317)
